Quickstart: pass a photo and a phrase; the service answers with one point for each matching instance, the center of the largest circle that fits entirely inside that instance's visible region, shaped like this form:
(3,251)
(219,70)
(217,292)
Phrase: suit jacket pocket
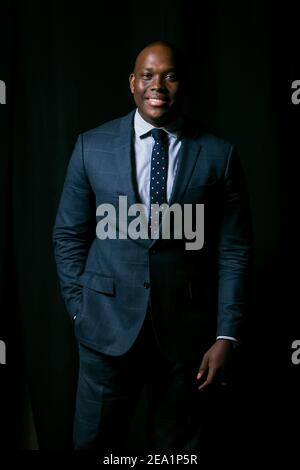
(97,282)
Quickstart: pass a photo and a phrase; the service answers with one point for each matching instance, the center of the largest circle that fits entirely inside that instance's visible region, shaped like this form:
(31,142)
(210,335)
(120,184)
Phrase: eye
(146,75)
(172,77)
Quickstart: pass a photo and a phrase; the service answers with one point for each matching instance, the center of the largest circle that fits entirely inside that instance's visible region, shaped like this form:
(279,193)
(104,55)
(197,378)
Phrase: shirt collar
(142,127)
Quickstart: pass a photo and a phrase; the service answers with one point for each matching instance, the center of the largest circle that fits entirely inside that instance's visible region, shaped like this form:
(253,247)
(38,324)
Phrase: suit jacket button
(146,285)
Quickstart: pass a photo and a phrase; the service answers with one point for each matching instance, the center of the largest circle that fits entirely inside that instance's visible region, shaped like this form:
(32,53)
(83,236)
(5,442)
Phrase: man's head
(156,83)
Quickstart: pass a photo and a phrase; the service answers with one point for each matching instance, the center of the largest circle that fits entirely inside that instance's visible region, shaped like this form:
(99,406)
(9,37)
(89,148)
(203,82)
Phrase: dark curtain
(66,70)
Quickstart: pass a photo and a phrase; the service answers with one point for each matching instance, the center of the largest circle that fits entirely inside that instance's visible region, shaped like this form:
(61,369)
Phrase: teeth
(156,101)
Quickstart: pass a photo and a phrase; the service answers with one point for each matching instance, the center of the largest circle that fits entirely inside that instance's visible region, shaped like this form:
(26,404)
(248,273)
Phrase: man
(150,310)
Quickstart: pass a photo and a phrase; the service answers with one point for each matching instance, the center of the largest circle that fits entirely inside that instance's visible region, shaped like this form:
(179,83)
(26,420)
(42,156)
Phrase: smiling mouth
(157,102)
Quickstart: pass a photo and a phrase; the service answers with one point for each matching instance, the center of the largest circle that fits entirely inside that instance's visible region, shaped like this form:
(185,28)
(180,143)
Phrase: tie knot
(158,135)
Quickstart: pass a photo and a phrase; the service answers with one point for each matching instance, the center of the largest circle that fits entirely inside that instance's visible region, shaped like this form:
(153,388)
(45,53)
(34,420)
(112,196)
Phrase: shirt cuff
(230,338)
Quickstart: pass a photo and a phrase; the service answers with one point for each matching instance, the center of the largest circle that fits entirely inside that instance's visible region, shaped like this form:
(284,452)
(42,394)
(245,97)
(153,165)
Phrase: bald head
(167,46)
(155,83)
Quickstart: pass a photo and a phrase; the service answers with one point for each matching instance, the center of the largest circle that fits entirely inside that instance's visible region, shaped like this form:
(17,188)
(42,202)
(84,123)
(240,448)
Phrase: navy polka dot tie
(158,175)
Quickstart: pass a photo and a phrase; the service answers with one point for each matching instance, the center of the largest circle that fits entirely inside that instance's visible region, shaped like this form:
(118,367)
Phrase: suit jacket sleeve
(234,251)
(73,229)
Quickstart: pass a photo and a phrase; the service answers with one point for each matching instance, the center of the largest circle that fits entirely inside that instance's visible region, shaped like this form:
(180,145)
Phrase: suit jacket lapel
(124,153)
(126,166)
(188,156)
(187,159)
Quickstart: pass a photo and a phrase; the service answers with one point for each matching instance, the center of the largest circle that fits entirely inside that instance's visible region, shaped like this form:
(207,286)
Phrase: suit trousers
(109,389)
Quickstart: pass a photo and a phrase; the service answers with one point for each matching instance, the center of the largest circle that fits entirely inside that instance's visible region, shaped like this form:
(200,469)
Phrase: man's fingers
(203,368)
(203,386)
(209,380)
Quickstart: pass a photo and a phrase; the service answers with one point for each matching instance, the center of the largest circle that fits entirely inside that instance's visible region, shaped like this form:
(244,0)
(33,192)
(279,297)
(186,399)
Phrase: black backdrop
(66,68)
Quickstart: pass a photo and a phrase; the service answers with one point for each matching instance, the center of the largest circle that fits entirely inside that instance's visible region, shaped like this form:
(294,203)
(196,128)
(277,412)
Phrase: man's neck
(173,126)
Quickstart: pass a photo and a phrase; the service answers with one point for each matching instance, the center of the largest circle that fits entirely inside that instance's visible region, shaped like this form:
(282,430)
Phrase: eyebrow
(172,69)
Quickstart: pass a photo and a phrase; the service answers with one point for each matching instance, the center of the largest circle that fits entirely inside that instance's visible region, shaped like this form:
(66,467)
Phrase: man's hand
(215,359)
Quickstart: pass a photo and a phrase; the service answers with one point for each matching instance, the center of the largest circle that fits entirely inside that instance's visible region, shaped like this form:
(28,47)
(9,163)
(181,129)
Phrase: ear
(131,82)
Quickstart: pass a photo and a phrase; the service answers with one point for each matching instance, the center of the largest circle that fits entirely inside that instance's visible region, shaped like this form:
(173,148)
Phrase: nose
(158,83)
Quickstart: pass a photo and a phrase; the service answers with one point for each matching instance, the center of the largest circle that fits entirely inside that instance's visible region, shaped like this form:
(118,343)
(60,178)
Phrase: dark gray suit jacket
(195,295)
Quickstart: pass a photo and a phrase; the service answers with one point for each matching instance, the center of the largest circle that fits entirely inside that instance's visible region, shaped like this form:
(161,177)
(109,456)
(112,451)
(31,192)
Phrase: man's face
(155,85)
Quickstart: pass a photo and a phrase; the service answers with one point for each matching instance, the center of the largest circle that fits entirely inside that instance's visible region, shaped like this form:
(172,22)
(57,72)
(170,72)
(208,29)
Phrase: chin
(159,118)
